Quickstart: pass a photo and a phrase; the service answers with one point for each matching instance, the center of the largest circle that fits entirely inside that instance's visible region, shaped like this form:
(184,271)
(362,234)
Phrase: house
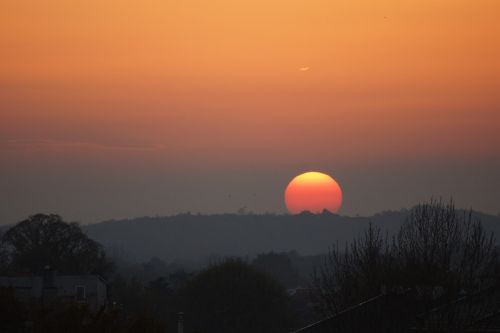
(49,287)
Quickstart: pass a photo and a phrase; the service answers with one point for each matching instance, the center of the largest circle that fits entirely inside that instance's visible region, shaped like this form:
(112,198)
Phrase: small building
(48,288)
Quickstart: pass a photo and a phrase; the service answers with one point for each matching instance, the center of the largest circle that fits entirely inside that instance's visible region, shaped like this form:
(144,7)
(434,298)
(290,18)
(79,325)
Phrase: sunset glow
(313,192)
(209,148)
(101,100)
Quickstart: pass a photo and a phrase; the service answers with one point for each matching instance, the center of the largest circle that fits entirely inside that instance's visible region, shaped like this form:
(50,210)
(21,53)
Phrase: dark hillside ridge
(190,237)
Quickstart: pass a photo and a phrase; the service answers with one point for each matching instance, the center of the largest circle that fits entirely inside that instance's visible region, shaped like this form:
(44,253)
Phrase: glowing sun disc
(313,192)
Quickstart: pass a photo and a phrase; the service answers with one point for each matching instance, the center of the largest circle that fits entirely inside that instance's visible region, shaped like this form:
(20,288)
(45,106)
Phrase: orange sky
(218,83)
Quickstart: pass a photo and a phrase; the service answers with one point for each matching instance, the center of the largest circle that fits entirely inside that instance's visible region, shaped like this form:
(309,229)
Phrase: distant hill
(188,237)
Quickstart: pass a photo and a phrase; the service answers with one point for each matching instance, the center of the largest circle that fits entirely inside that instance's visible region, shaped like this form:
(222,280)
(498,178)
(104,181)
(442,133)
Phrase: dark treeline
(194,240)
(229,294)
(233,278)
(242,286)
(436,247)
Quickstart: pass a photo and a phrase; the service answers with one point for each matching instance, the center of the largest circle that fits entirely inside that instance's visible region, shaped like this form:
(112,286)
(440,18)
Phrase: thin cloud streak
(51,145)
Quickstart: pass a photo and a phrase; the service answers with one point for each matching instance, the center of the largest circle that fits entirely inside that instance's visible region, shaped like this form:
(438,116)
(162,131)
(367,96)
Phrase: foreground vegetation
(440,252)
(439,255)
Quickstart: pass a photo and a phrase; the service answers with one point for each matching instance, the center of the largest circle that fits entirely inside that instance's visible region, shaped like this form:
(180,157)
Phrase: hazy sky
(130,108)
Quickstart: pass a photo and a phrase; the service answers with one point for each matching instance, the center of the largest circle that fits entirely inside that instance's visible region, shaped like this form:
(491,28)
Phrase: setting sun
(313,192)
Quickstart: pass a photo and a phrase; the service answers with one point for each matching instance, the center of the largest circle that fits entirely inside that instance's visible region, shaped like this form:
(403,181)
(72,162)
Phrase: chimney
(49,276)
(49,289)
(180,322)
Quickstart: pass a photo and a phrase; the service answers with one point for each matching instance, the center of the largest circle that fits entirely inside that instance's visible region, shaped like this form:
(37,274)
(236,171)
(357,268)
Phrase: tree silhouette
(438,251)
(279,266)
(353,274)
(46,240)
(235,297)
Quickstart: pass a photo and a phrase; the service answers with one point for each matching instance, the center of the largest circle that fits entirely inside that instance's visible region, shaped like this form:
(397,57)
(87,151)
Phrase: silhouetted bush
(279,266)
(234,297)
